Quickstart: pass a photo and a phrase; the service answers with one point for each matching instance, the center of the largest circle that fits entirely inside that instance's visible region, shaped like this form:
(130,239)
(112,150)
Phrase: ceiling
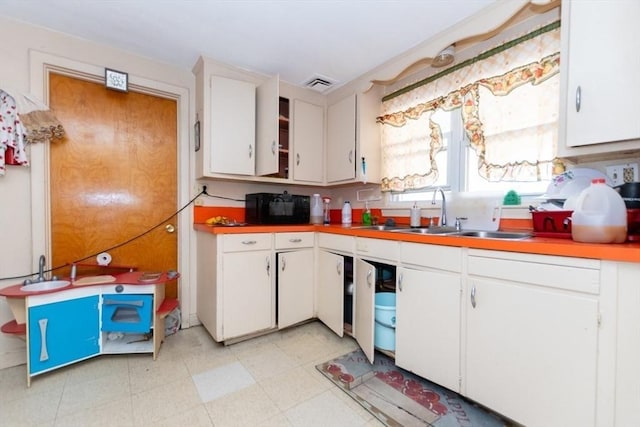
(297,39)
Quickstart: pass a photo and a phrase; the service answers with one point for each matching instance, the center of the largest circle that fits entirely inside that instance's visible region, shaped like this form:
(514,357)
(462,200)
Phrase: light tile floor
(266,381)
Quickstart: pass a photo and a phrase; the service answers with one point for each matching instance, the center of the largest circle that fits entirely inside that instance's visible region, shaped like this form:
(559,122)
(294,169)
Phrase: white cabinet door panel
(330,291)
(247,293)
(267,111)
(364,297)
(308,141)
(428,325)
(531,352)
(341,140)
(295,287)
(233,124)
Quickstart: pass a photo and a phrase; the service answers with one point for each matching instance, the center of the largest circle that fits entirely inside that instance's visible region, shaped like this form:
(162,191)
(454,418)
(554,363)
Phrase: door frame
(40,66)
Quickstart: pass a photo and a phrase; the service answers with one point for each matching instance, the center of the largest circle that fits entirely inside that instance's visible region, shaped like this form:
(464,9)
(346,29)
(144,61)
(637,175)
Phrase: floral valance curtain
(510,118)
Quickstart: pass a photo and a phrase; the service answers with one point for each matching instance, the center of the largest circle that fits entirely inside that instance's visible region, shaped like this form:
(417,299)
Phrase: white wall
(16,240)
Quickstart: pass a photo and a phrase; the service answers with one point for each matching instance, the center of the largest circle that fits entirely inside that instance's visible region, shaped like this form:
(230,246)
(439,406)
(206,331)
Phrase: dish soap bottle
(366,214)
(346,213)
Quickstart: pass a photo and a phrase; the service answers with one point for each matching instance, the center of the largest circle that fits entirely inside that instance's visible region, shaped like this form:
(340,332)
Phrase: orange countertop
(128,278)
(628,252)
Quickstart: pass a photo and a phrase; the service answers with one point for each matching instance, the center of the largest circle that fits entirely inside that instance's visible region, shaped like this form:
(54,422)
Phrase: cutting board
(94,280)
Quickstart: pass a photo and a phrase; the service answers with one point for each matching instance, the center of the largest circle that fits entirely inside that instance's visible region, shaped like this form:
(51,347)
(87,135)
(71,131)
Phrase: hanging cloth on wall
(12,134)
(40,123)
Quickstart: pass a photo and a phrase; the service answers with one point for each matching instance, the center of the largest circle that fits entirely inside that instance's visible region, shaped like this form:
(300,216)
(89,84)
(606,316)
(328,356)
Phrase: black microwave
(273,208)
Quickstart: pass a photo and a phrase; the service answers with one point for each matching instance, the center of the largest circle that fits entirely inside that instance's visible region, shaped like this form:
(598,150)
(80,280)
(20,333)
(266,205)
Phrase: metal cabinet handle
(473,296)
(295,240)
(44,355)
(273,147)
(350,156)
(578,98)
(284,263)
(339,268)
(250,151)
(135,303)
(249,242)
(400,282)
(268,264)
(298,159)
(369,275)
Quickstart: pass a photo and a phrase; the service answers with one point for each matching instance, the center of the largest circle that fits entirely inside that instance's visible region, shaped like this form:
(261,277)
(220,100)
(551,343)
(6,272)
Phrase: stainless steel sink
(381,227)
(444,231)
(494,234)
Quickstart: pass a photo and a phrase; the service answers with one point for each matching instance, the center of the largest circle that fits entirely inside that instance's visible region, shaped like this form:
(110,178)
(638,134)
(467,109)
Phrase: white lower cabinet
(235,284)
(429,312)
(532,337)
(330,291)
(364,302)
(428,325)
(247,292)
(295,287)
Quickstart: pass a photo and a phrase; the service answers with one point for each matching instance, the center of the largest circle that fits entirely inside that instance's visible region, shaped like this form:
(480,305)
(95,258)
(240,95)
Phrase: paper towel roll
(104,258)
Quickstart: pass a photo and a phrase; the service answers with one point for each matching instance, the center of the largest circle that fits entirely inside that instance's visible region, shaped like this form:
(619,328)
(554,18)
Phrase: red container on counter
(552,224)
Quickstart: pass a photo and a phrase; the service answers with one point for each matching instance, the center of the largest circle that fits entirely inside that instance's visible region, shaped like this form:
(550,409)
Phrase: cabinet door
(607,91)
(330,291)
(364,297)
(247,293)
(308,137)
(531,353)
(295,287)
(63,332)
(428,325)
(233,126)
(341,140)
(267,111)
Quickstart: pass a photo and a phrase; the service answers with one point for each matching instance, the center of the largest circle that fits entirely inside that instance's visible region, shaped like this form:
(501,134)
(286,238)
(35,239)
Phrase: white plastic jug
(600,215)
(316,209)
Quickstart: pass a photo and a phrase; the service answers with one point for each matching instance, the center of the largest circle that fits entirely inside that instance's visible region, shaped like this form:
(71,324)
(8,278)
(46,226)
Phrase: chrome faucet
(41,263)
(443,209)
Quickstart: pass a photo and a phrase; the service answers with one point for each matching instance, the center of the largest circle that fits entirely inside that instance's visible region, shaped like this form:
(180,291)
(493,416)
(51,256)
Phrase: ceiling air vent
(319,83)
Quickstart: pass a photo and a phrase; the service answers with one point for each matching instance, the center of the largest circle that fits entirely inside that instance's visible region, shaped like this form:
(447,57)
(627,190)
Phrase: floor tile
(115,413)
(269,362)
(163,402)
(247,407)
(94,393)
(30,410)
(292,387)
(221,381)
(193,417)
(324,410)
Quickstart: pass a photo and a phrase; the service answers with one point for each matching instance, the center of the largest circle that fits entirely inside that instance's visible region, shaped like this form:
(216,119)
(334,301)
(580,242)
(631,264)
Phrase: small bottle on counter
(414,216)
(346,213)
(316,209)
(366,214)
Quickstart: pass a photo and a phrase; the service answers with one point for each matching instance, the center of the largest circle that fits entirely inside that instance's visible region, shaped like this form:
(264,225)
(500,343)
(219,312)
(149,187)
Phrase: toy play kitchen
(72,319)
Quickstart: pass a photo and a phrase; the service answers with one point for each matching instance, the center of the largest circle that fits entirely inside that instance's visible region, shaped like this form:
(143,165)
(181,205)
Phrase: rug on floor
(399,398)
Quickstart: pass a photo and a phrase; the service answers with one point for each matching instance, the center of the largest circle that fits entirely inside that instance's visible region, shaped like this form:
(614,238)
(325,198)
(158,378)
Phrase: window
(489,123)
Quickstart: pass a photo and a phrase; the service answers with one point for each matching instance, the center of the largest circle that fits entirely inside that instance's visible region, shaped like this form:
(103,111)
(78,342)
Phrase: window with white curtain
(489,123)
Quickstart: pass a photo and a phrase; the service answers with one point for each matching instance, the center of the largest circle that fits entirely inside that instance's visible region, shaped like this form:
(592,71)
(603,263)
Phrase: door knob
(170,228)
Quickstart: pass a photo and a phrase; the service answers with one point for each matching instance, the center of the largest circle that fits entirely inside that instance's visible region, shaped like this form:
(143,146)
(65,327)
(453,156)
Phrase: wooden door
(113,177)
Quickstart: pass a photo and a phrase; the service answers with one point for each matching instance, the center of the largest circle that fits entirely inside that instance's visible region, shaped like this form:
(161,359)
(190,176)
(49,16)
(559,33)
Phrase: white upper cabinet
(267,111)
(600,59)
(308,141)
(232,119)
(353,138)
(341,140)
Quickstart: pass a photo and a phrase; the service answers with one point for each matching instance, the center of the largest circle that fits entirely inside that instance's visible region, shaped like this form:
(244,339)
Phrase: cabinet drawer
(294,240)
(336,243)
(384,249)
(246,242)
(438,257)
(538,272)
